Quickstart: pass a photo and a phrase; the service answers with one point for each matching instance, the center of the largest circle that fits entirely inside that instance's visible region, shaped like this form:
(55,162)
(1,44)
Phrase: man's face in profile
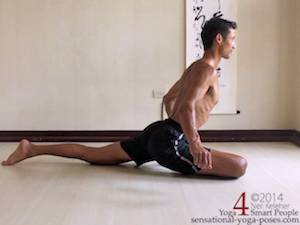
(228,44)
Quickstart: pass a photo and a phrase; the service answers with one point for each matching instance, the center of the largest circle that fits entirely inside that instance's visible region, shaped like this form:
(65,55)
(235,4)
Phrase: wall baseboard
(296,137)
(117,135)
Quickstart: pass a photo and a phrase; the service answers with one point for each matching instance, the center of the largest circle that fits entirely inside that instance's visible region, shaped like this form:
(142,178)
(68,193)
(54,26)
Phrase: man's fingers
(206,160)
(195,157)
(209,160)
(200,158)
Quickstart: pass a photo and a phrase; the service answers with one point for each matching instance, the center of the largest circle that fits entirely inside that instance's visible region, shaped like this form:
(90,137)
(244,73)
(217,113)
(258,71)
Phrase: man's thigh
(225,165)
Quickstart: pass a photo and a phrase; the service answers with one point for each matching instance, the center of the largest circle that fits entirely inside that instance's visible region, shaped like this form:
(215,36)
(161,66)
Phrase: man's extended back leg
(108,155)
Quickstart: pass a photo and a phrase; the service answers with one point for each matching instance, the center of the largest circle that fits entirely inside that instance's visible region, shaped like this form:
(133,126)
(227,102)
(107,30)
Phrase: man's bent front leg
(226,165)
(108,155)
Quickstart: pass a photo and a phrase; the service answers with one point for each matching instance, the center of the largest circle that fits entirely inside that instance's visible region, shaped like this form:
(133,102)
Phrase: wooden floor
(58,191)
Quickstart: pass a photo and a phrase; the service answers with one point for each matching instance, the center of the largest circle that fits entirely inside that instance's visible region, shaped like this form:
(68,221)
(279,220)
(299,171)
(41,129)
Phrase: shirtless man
(175,142)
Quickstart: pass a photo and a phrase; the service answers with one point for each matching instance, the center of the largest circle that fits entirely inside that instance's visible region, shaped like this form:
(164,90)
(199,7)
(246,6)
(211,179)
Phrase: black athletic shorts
(164,142)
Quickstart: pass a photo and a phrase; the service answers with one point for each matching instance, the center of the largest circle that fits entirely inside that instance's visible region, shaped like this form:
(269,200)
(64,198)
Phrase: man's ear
(219,39)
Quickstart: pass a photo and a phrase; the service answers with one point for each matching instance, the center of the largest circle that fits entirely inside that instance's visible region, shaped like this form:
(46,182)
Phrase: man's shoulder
(203,67)
(202,71)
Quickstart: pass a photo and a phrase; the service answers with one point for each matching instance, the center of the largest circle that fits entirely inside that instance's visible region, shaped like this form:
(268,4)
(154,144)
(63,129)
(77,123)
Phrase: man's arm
(196,89)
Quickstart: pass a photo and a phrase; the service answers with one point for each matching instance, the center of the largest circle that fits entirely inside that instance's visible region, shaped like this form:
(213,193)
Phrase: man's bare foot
(22,152)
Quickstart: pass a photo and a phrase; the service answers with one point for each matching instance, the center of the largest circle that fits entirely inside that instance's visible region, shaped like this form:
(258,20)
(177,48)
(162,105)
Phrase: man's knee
(239,166)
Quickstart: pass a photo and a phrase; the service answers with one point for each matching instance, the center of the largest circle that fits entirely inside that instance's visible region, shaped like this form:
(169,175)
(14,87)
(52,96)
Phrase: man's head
(220,33)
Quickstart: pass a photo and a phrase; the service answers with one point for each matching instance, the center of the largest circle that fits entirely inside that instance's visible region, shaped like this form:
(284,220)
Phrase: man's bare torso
(203,105)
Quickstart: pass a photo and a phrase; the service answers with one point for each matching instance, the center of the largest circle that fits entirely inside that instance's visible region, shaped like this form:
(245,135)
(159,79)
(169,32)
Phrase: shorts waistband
(174,124)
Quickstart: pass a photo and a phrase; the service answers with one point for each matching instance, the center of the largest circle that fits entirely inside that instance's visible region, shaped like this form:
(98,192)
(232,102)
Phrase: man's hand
(202,157)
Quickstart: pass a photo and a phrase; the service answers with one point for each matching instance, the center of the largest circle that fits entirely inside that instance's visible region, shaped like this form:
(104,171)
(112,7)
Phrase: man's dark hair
(213,27)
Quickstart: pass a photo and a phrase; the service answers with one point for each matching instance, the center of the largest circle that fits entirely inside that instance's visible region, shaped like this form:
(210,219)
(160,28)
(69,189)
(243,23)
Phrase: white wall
(93,64)
(87,64)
